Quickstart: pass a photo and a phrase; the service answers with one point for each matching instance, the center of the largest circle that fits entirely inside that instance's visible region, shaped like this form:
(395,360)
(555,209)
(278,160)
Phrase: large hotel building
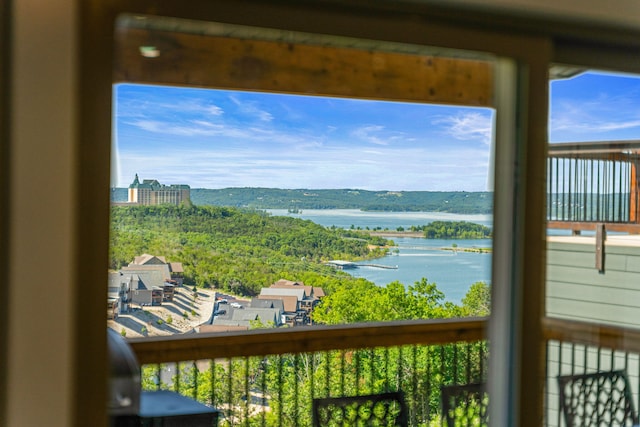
(151,192)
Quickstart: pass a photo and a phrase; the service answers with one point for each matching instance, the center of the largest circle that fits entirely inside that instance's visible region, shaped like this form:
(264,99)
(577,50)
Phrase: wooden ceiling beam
(256,65)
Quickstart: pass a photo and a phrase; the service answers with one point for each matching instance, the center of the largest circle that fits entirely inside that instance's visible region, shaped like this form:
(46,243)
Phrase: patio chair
(597,399)
(465,404)
(388,409)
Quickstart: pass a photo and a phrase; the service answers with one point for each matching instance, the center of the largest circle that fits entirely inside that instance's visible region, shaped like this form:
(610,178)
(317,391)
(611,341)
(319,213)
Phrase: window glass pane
(399,193)
(593,245)
(269,179)
(359,169)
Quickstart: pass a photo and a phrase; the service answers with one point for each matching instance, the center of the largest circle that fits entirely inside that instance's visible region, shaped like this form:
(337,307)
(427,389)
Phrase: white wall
(41,214)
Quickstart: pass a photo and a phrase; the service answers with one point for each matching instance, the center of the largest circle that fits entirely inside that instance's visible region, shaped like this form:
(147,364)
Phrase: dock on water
(388,267)
(344,265)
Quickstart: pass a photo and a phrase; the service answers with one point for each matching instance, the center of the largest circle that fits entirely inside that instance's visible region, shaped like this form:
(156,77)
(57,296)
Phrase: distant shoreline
(415,234)
(452,202)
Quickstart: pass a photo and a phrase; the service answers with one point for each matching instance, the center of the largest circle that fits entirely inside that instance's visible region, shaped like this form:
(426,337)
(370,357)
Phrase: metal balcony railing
(270,378)
(594,182)
(576,347)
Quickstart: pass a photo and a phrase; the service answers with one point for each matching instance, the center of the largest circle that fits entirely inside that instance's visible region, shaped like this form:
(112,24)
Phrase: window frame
(519,252)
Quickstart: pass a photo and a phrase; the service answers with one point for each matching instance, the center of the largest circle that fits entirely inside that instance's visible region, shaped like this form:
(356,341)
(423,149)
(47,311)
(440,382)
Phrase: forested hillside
(233,249)
(400,201)
(241,251)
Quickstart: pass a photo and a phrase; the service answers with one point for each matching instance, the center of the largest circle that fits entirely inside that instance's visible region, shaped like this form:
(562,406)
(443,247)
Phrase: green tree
(363,301)
(477,300)
(456,230)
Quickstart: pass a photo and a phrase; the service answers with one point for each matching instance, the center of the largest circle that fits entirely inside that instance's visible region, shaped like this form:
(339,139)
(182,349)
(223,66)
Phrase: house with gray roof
(290,292)
(289,302)
(119,291)
(245,318)
(298,293)
(176,271)
(310,291)
(267,303)
(147,283)
(265,316)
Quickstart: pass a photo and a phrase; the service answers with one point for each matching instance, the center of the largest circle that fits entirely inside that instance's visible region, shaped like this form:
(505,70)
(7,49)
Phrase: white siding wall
(577,290)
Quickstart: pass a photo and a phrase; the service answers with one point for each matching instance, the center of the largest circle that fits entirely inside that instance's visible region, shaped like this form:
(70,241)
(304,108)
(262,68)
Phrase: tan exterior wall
(42,207)
(146,196)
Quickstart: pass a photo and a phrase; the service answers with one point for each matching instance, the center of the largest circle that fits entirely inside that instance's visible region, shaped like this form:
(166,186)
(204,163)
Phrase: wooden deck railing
(593,334)
(299,340)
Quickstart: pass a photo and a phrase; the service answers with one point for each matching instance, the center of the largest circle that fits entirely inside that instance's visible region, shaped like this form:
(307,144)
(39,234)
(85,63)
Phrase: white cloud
(252,109)
(592,117)
(148,125)
(193,128)
(155,126)
(329,167)
(214,110)
(596,126)
(376,134)
(192,106)
(196,128)
(467,126)
(206,124)
(366,133)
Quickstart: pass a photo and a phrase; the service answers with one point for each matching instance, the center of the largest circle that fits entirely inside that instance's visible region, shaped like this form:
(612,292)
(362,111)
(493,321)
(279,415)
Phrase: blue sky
(595,107)
(218,139)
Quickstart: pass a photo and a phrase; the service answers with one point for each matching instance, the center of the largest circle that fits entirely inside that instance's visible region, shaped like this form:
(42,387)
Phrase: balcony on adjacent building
(590,183)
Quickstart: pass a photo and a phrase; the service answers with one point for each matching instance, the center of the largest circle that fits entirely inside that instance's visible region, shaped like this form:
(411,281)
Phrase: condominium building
(151,192)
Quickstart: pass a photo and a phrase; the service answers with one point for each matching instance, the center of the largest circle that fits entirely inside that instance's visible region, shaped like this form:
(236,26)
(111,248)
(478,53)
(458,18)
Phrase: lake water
(416,258)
